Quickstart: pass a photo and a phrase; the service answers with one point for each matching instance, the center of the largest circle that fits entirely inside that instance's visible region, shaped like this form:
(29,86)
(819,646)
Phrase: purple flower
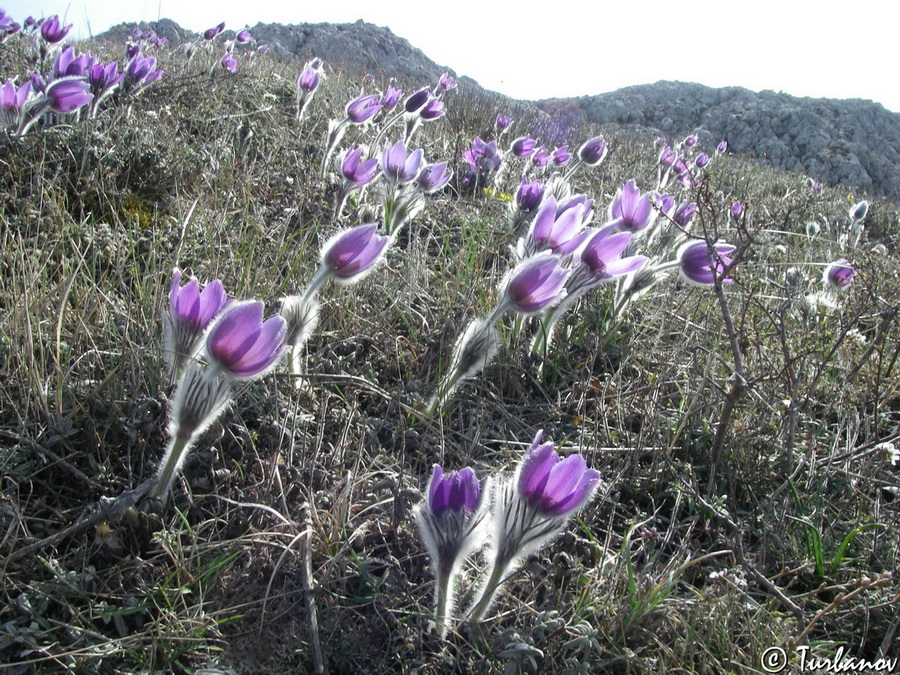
(700,266)
(455,491)
(391,97)
(311,76)
(839,274)
(399,166)
(635,210)
(52,32)
(363,109)
(211,33)
(433,109)
(523,146)
(417,100)
(540,157)
(190,313)
(553,486)
(561,156)
(140,72)
(593,151)
(243,37)
(66,63)
(667,157)
(446,82)
(722,147)
(602,255)
(684,213)
(737,209)
(530,195)
(503,121)
(433,177)
(691,141)
(263,49)
(702,160)
(816,186)
(348,255)
(859,210)
(228,62)
(241,344)
(68,94)
(357,171)
(132,50)
(535,284)
(551,230)
(12,101)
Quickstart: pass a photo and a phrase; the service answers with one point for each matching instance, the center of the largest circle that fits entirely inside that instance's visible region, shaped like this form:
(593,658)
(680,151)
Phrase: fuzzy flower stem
(175,453)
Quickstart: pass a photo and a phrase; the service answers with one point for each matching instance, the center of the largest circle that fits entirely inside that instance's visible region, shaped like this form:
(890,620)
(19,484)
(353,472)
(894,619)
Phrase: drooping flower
(634,209)
(839,274)
(211,33)
(534,284)
(349,254)
(700,262)
(242,345)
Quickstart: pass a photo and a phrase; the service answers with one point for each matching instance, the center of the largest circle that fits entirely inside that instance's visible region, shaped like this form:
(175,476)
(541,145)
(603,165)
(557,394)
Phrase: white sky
(572,48)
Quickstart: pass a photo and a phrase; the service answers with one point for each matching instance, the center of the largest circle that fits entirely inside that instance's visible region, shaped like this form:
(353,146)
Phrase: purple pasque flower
(702,160)
(593,151)
(691,141)
(839,274)
(601,258)
(859,210)
(552,486)
(263,49)
(552,229)
(534,284)
(228,62)
(416,100)
(634,209)
(52,31)
(190,313)
(68,94)
(530,195)
(243,37)
(363,108)
(484,155)
(432,109)
(684,213)
(400,166)
(454,491)
(701,263)
(12,102)
(311,76)
(350,254)
(667,157)
(242,345)
(139,73)
(391,97)
(211,33)
(722,146)
(433,177)
(737,209)
(103,80)
(446,82)
(67,64)
(523,146)
(503,121)
(561,156)
(356,170)
(540,157)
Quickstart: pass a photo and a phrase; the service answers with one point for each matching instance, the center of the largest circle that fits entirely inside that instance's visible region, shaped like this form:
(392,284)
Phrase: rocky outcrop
(853,142)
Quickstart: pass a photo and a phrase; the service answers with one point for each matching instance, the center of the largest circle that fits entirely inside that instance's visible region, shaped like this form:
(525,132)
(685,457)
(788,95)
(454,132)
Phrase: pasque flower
(363,108)
(448,522)
(839,274)
(400,166)
(523,146)
(700,262)
(530,509)
(433,177)
(350,254)
(534,284)
(554,228)
(228,62)
(52,31)
(356,170)
(68,94)
(243,346)
(634,209)
(12,103)
(593,151)
(190,313)
(311,76)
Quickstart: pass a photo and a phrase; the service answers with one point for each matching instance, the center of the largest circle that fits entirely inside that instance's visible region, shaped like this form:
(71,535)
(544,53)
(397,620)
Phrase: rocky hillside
(853,142)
